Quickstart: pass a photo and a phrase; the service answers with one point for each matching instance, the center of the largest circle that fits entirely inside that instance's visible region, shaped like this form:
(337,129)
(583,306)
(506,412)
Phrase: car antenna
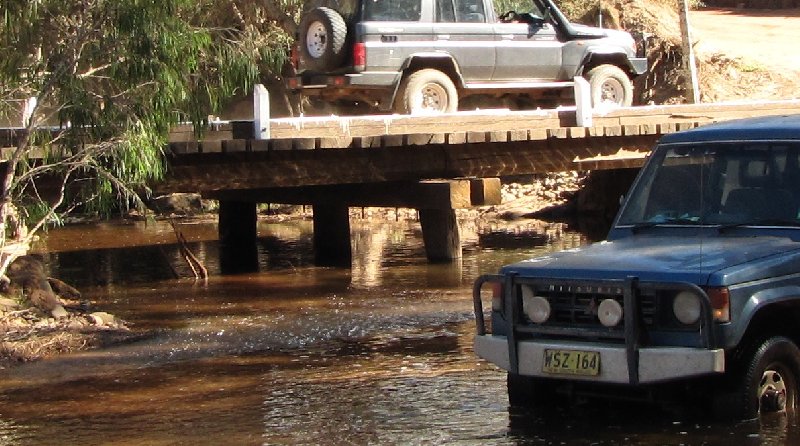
(600,14)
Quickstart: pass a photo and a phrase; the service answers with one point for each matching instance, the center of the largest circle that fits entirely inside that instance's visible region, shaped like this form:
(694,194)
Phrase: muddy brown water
(300,355)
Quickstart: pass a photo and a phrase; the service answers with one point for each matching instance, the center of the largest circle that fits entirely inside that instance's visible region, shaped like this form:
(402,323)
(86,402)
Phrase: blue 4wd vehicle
(697,283)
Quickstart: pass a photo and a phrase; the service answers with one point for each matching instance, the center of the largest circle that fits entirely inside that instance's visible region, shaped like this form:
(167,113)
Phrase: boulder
(101,318)
(179,203)
(27,273)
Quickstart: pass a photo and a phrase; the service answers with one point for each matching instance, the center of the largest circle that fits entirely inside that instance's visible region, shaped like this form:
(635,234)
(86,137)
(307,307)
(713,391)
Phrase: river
(301,355)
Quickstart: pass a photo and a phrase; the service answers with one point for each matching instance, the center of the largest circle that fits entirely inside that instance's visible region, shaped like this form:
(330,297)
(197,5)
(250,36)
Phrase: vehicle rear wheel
(527,391)
(426,91)
(766,383)
(609,85)
(322,37)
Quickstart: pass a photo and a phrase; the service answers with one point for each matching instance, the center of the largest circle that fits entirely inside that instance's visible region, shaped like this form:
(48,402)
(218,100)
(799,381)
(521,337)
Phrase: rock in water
(44,299)
(59,312)
(27,272)
(64,290)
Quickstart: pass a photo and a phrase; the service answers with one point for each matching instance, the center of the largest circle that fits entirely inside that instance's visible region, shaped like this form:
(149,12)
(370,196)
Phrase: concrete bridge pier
(440,234)
(435,200)
(238,251)
(440,231)
(332,235)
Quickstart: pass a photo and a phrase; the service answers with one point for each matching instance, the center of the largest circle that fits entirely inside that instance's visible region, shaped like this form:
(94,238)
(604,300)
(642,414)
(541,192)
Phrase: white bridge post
(583,102)
(27,111)
(261,112)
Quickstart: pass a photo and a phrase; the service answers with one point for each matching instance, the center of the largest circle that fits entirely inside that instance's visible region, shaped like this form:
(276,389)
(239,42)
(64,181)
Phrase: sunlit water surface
(296,354)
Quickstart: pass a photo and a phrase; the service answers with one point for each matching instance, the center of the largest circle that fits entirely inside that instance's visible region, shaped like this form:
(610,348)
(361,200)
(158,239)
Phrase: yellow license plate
(571,362)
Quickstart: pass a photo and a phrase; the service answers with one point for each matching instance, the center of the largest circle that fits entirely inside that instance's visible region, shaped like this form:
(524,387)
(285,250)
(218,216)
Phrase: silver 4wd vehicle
(426,55)
(697,286)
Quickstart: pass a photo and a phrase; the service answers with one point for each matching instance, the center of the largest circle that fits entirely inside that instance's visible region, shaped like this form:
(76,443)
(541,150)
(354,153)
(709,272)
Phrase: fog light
(686,307)
(537,308)
(609,312)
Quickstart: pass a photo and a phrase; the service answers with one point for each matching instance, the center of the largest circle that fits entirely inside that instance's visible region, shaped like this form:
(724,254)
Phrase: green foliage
(571,8)
(115,76)
(501,6)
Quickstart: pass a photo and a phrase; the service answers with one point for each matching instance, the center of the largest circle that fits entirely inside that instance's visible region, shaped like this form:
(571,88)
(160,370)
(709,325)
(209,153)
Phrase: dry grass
(28,335)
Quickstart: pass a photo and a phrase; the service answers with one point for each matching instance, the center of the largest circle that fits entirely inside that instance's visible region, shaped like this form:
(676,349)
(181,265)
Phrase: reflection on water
(377,354)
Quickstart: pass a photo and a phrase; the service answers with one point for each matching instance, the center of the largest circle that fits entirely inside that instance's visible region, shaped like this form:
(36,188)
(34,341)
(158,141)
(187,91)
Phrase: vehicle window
(718,184)
(534,8)
(392,10)
(445,13)
(469,11)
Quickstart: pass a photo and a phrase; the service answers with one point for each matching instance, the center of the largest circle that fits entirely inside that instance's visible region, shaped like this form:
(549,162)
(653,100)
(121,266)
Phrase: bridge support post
(237,237)
(332,235)
(440,234)
(583,102)
(261,127)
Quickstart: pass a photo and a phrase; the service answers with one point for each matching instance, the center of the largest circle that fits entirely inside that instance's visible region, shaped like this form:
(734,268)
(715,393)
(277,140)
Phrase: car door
(393,30)
(461,28)
(527,51)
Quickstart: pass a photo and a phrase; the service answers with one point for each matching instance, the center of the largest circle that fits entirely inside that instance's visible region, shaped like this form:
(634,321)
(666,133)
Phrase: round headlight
(537,308)
(609,312)
(686,307)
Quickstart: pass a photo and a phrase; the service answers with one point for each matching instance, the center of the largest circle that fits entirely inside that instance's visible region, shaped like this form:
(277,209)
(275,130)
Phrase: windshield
(748,183)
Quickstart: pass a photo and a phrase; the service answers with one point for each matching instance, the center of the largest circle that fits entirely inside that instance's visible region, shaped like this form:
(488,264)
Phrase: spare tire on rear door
(322,37)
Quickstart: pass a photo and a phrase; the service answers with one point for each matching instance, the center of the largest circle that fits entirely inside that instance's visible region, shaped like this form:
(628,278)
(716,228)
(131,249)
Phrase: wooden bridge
(435,164)
(377,149)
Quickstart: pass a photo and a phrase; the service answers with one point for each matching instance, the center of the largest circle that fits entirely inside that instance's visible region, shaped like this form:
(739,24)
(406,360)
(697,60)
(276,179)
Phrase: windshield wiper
(762,222)
(636,227)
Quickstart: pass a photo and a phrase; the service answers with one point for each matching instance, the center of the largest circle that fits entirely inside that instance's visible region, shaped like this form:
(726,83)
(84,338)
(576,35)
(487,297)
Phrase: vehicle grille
(580,308)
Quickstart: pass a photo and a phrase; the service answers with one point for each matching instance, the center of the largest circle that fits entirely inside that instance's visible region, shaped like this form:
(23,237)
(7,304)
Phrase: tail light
(720,303)
(359,56)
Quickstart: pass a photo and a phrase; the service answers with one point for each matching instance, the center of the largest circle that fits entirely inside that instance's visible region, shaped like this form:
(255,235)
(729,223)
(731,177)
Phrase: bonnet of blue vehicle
(713,261)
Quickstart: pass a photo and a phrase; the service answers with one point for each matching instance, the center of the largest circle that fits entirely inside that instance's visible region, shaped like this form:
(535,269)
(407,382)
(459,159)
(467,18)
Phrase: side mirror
(537,22)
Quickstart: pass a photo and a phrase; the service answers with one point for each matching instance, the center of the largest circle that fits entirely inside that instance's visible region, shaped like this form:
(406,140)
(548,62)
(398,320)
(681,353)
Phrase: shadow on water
(624,423)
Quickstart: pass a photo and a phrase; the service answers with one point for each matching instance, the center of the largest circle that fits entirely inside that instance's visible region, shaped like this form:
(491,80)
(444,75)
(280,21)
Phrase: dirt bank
(765,38)
(746,53)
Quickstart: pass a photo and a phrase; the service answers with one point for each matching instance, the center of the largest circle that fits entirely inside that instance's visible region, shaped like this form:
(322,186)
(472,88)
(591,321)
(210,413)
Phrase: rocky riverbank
(41,316)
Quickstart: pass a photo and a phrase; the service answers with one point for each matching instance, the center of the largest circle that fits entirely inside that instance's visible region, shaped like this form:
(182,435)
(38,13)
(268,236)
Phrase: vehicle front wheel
(609,85)
(426,91)
(765,383)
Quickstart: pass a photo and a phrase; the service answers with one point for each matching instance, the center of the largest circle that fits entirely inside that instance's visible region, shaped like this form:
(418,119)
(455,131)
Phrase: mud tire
(777,359)
(426,91)
(323,33)
(609,85)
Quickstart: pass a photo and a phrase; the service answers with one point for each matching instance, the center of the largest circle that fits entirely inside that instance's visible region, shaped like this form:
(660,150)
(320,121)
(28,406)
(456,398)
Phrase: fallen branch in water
(200,271)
